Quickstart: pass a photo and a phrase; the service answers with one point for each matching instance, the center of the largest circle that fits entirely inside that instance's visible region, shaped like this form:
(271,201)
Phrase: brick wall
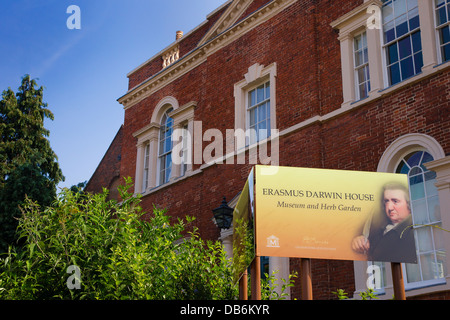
(306,50)
(107,174)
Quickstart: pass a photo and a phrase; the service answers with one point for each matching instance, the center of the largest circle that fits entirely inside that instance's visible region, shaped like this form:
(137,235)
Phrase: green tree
(29,166)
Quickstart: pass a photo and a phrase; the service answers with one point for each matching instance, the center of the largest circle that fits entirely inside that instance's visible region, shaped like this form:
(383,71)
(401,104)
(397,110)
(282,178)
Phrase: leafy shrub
(119,254)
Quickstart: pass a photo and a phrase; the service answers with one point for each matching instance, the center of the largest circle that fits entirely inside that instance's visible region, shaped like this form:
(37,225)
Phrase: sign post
(243,292)
(306,279)
(397,280)
(255,276)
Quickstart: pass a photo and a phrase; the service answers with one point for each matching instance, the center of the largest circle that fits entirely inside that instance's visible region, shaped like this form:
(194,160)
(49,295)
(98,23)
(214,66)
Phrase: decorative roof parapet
(170,56)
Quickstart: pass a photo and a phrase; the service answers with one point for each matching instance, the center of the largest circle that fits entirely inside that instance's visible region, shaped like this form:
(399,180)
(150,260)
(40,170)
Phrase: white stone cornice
(356,13)
(151,127)
(161,79)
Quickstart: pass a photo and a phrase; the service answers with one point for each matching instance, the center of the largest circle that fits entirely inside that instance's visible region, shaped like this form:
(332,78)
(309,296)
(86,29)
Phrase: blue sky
(83,71)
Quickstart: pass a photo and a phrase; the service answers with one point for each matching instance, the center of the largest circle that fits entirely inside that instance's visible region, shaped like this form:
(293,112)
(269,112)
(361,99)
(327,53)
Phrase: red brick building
(352,85)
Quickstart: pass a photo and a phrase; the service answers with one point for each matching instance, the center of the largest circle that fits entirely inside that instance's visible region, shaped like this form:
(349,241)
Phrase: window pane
(399,7)
(389,32)
(368,79)
(414,21)
(262,131)
(262,112)
(431,189)
(448,10)
(445,34)
(419,210)
(416,187)
(392,53)
(252,118)
(168,166)
(260,94)
(446,52)
(412,4)
(424,239)
(441,264)
(434,208)
(418,62)
(402,168)
(438,238)
(388,13)
(439,2)
(404,47)
(259,112)
(429,267)
(414,171)
(359,59)
(358,45)
(414,159)
(394,74)
(441,16)
(361,75)
(412,273)
(401,25)
(252,96)
(407,68)
(426,157)
(416,41)
(362,91)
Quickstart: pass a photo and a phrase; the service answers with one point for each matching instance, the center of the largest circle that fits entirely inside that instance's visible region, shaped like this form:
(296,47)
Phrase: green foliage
(243,246)
(121,253)
(369,294)
(29,166)
(341,294)
(270,284)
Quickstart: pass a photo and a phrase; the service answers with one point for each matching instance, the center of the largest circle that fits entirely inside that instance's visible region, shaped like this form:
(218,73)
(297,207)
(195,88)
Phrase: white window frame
(256,75)
(149,135)
(361,18)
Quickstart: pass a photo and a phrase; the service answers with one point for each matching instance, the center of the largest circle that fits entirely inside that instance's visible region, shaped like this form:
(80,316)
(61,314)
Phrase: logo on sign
(273,242)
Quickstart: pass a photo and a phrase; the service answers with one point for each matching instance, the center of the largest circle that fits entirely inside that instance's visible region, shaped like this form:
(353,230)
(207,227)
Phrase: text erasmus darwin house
(350,85)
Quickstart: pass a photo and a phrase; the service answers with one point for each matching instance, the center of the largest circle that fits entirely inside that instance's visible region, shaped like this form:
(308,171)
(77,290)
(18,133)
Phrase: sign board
(333,214)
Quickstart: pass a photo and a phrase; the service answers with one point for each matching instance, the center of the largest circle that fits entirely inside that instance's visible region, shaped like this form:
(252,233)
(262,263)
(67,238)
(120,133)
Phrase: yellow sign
(333,214)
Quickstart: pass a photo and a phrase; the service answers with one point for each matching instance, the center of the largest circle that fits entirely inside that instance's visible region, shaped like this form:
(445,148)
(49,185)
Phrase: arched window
(165,148)
(427,221)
